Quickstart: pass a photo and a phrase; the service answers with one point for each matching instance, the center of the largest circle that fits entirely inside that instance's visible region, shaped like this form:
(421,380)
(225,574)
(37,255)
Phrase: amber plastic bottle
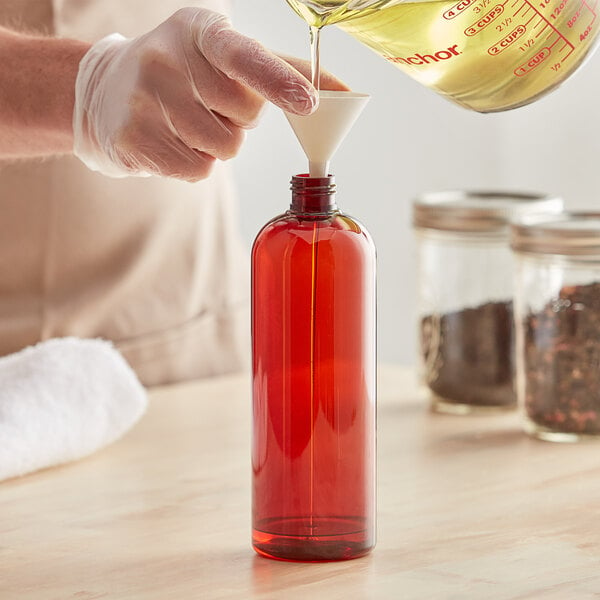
(314,419)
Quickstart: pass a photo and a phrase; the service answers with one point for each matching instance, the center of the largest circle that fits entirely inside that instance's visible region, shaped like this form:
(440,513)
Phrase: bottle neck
(313,195)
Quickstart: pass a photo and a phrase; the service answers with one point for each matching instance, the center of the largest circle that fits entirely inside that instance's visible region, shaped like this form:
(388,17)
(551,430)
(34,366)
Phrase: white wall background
(410,140)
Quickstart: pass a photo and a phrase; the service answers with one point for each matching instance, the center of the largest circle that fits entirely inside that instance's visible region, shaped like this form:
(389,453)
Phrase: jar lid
(479,210)
(569,233)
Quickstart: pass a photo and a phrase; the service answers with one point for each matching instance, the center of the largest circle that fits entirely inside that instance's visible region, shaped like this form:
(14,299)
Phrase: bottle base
(550,435)
(346,539)
(442,405)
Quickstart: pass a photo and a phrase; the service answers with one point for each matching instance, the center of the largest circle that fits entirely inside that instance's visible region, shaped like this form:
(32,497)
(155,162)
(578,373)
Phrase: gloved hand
(174,100)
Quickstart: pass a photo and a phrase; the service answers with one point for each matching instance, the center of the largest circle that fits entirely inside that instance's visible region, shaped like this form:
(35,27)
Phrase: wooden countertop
(469,507)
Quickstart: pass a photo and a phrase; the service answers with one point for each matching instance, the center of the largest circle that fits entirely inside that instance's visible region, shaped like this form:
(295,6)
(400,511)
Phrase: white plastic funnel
(321,133)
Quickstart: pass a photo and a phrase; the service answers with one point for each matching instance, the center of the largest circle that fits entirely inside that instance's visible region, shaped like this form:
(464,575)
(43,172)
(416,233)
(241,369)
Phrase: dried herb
(562,362)
(469,355)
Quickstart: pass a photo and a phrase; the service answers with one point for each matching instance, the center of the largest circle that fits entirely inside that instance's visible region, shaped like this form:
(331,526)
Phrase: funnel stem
(318,169)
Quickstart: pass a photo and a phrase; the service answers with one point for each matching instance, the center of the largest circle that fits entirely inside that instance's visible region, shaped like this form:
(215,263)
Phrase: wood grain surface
(468,507)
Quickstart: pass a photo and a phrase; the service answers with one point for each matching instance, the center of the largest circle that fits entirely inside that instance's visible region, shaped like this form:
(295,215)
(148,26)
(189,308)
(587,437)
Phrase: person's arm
(37,83)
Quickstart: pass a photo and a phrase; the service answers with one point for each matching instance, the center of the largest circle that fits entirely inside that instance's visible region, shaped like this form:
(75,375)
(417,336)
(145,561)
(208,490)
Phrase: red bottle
(313,330)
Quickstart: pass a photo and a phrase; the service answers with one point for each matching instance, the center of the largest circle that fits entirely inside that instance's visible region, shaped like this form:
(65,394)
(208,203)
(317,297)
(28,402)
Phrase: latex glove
(174,100)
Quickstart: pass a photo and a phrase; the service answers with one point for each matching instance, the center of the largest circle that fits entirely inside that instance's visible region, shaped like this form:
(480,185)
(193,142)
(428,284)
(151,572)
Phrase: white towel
(62,400)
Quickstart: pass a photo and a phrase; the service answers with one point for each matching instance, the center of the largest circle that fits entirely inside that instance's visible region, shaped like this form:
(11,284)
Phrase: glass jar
(465,295)
(557,316)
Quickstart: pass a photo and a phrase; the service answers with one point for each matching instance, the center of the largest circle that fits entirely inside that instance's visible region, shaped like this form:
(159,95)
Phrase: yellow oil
(486,55)
(318,13)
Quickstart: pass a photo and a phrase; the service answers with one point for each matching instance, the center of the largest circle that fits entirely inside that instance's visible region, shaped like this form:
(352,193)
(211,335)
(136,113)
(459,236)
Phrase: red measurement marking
(508,40)
(520,9)
(527,45)
(550,24)
(554,43)
(533,62)
(567,55)
(546,25)
(486,20)
(575,17)
(565,42)
(587,32)
(558,9)
(457,9)
(531,19)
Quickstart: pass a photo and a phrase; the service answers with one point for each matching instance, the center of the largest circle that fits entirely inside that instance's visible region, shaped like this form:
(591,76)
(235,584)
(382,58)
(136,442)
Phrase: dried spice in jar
(557,322)
(562,362)
(465,291)
(468,355)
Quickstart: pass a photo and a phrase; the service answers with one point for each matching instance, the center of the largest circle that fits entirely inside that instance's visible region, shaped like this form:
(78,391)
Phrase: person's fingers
(191,86)
(244,59)
(199,127)
(213,90)
(149,143)
(171,158)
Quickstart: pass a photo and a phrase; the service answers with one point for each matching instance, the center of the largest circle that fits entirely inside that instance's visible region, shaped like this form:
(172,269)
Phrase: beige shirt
(155,265)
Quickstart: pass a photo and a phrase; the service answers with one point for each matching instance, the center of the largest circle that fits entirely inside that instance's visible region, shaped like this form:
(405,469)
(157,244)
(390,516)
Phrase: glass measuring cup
(485,55)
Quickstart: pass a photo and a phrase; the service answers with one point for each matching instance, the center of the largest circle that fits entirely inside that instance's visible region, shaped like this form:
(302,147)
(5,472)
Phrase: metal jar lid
(567,233)
(480,210)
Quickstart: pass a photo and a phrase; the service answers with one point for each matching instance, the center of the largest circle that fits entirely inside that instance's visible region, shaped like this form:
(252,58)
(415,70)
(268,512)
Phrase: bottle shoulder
(291,235)
(294,224)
